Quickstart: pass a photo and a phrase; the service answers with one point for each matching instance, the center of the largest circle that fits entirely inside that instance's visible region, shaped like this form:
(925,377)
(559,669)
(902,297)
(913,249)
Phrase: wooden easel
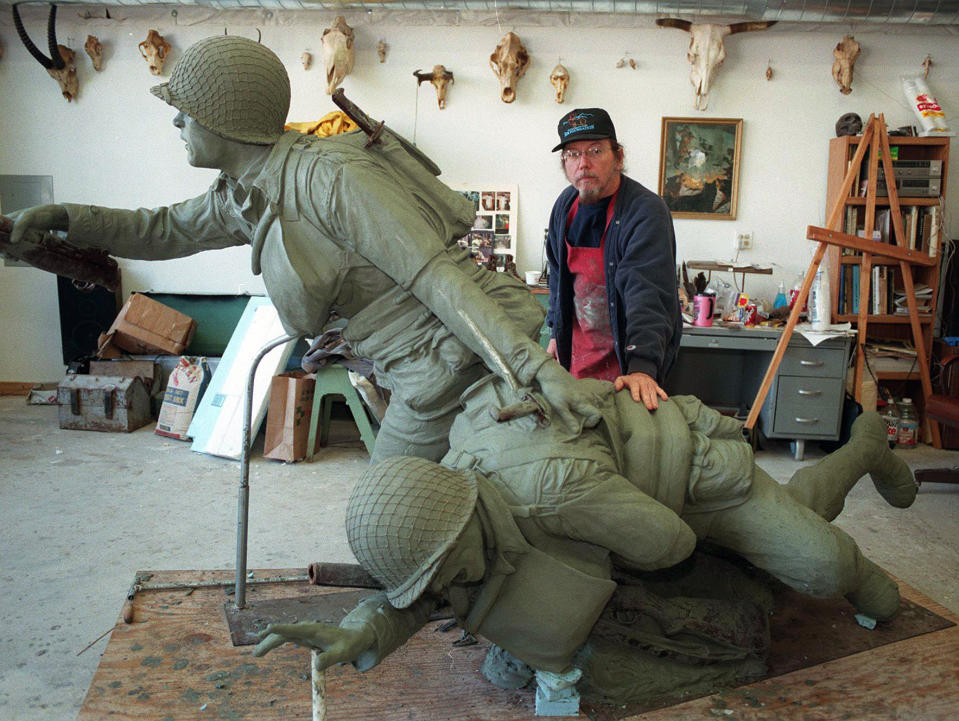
(876,140)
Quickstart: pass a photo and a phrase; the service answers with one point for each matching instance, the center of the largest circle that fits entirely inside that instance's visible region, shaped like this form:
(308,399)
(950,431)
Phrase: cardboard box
(146,326)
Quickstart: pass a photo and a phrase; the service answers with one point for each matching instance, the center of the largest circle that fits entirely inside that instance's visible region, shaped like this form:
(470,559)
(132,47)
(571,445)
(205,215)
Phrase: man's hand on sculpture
(339,645)
(567,397)
(551,349)
(38,219)
(643,388)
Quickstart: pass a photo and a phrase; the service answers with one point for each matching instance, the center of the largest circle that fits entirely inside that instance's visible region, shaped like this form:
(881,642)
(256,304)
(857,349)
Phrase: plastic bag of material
(932,118)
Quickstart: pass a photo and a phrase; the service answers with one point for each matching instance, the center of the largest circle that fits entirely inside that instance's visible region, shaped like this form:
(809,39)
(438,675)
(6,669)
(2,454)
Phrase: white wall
(116,146)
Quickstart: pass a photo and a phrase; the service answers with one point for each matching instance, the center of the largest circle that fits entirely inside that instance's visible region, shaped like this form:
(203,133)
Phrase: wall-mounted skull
(60,63)
(509,61)
(441,79)
(707,50)
(559,79)
(845,54)
(381,48)
(67,75)
(337,53)
(95,51)
(155,50)
(306,59)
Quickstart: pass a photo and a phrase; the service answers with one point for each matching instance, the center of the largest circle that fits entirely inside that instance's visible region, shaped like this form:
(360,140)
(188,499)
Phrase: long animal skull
(95,51)
(440,77)
(845,54)
(155,50)
(509,61)
(337,53)
(706,50)
(60,64)
(559,79)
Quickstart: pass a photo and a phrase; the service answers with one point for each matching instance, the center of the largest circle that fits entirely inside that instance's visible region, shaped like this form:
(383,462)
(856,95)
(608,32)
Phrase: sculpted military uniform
(368,233)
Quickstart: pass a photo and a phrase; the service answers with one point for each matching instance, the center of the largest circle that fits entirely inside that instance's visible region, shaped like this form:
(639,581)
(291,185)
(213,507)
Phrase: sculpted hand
(643,388)
(38,219)
(568,398)
(339,645)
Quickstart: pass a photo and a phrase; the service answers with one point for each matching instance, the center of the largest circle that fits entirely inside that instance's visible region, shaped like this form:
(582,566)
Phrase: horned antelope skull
(559,79)
(845,54)
(706,50)
(60,64)
(95,50)
(155,50)
(509,61)
(337,53)
(440,77)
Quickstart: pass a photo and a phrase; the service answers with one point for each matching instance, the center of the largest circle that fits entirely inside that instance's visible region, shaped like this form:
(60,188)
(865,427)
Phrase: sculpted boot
(823,487)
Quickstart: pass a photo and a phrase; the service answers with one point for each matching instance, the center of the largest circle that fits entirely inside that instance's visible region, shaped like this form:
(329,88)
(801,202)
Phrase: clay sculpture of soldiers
(519,527)
(369,233)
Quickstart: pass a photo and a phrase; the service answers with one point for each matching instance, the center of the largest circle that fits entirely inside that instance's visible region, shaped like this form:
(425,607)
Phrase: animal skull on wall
(707,51)
(307,60)
(381,48)
(60,64)
(440,77)
(95,51)
(845,54)
(559,79)
(509,61)
(337,53)
(155,50)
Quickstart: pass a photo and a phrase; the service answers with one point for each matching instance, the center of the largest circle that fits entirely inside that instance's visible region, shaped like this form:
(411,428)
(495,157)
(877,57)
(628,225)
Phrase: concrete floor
(81,512)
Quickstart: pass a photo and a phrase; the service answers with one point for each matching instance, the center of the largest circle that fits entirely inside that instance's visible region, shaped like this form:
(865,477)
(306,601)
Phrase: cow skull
(155,50)
(440,77)
(95,51)
(337,53)
(706,50)
(509,61)
(60,64)
(845,54)
(559,79)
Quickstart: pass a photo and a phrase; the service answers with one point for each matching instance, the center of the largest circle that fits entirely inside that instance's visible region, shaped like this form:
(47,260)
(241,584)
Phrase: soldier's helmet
(402,518)
(232,86)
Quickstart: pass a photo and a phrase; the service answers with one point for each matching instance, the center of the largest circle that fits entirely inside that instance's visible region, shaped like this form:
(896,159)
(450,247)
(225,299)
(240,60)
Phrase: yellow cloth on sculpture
(330,124)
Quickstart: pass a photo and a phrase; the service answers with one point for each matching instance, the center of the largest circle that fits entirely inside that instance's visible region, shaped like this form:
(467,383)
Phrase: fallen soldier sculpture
(526,528)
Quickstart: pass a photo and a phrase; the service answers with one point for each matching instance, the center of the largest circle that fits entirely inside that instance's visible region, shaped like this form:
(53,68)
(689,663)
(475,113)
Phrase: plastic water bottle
(908,424)
(780,300)
(819,311)
(891,416)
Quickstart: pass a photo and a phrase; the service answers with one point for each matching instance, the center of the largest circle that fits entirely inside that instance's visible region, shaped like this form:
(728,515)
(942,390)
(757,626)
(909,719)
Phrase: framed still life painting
(699,166)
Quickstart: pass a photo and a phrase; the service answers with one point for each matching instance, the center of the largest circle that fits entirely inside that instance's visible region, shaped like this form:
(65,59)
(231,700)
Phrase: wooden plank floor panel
(176,661)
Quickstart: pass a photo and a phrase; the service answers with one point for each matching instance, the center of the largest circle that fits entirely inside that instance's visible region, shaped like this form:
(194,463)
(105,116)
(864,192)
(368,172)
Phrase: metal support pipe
(243,499)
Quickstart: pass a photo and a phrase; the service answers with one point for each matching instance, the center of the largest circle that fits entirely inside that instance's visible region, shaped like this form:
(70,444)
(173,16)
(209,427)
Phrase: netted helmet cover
(232,86)
(403,516)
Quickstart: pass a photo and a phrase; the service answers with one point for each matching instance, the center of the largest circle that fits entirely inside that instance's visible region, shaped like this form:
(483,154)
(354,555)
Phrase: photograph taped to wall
(494,227)
(699,166)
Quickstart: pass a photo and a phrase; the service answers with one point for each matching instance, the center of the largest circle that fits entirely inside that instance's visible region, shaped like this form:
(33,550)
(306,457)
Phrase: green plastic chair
(334,380)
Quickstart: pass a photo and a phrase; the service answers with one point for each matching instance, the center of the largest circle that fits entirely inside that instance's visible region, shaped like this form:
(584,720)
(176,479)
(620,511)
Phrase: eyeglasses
(592,153)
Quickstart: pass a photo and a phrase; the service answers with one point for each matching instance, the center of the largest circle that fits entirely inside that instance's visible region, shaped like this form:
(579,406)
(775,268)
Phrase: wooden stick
(318,676)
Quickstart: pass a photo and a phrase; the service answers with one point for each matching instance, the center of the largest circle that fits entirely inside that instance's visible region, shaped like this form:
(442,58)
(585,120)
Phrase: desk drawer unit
(807,405)
(813,361)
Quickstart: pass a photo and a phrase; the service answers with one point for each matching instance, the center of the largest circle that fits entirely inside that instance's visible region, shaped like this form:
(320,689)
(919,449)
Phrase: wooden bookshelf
(918,213)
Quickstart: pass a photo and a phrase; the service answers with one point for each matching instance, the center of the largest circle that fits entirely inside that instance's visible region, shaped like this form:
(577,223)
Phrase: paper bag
(288,419)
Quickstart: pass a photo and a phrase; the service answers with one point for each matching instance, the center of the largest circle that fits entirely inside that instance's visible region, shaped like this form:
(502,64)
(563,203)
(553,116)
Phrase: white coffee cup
(532,277)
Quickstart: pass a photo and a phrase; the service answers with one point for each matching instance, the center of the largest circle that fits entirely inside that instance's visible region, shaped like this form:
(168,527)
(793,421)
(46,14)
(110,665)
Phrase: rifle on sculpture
(48,252)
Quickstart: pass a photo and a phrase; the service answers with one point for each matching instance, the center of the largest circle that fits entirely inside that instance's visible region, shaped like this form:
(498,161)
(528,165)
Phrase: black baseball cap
(585,124)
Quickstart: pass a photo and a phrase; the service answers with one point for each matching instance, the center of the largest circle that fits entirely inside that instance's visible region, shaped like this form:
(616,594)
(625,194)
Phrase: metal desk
(724,367)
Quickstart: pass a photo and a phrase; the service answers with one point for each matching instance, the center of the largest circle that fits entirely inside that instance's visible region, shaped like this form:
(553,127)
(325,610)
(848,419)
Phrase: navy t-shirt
(586,230)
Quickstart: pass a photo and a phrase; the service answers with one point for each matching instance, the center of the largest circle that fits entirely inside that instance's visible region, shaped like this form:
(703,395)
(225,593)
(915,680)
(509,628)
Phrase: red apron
(593,351)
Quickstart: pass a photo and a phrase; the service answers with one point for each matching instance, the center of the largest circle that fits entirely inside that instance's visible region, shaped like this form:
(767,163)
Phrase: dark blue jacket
(640,261)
